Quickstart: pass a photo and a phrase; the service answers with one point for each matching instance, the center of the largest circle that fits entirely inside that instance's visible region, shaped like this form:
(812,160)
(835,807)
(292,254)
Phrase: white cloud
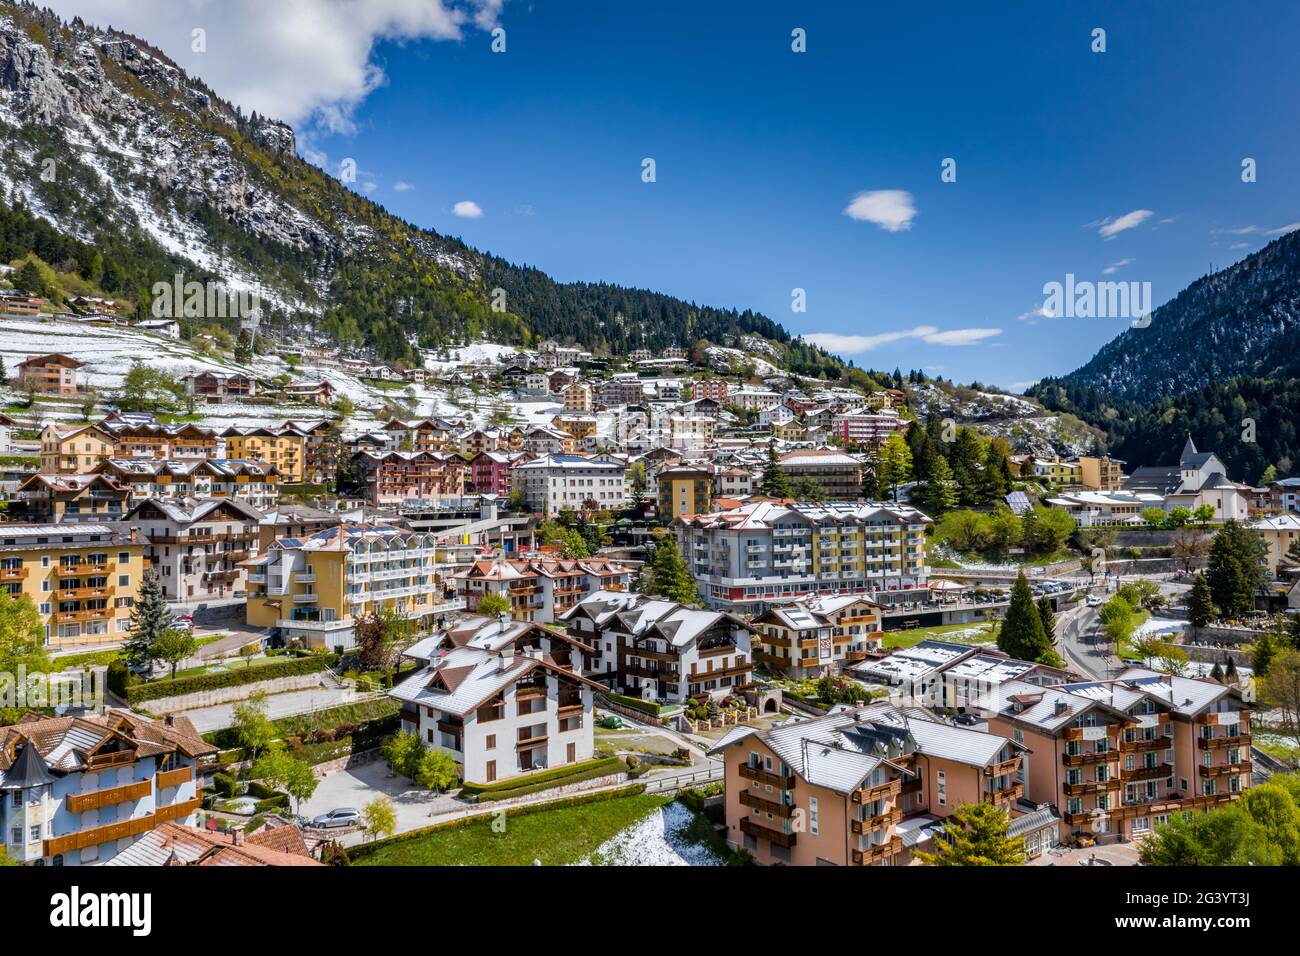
(467,209)
(1034,314)
(1116,266)
(891,209)
(402,186)
(1284,230)
(1022,386)
(1109,228)
(302,61)
(856,344)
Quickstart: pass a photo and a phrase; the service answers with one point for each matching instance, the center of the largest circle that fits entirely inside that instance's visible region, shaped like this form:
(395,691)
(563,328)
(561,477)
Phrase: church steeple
(1189,449)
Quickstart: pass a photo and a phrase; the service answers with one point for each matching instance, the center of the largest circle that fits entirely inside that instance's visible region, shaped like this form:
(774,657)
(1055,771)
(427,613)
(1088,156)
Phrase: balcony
(118,831)
(1226,769)
(309,598)
(1225,717)
(75,570)
(1084,759)
(523,743)
(891,847)
(882,791)
(117,758)
(1214,743)
(1159,772)
(1172,805)
(1093,786)
(93,614)
(13,574)
(1003,767)
(1142,746)
(1011,794)
(756,828)
(174,778)
(1078,733)
(80,802)
(78,594)
(880,821)
(750,799)
(767,777)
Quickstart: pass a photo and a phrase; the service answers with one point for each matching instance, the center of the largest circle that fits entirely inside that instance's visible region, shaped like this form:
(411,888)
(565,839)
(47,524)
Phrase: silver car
(340,817)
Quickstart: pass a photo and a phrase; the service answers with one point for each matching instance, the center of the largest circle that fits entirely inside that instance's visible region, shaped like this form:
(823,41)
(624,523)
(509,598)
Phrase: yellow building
(684,492)
(286,448)
(790,430)
(74,451)
(83,578)
(1100,474)
(1057,471)
(313,590)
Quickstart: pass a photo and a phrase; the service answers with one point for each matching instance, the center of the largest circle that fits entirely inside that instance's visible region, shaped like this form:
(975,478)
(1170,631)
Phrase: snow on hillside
(1024,423)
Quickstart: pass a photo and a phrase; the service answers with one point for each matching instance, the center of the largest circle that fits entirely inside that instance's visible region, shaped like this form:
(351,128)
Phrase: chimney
(238,836)
(1061,707)
(170,720)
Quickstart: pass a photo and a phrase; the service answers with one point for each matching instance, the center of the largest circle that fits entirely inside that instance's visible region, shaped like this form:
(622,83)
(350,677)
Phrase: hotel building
(816,635)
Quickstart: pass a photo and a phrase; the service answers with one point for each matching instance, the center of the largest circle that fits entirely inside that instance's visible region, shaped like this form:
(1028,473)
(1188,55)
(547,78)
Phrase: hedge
(636,703)
(305,725)
(295,667)
(604,764)
(530,786)
(366,849)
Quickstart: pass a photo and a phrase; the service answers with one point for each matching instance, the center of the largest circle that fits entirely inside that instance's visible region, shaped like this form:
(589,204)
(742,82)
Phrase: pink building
(490,471)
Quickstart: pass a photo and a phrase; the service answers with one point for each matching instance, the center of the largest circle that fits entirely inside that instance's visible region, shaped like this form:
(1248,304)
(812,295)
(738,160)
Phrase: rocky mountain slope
(1241,322)
(110,142)
(1026,425)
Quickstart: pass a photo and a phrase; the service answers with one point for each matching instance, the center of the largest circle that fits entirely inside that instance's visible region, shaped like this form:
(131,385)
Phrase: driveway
(1116,854)
(288,704)
(414,806)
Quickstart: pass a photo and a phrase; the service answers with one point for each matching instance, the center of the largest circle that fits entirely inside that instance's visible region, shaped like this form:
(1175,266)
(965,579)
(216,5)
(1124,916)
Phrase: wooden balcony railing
(1003,767)
(767,777)
(1213,743)
(1081,760)
(1169,805)
(110,796)
(75,570)
(891,847)
(880,821)
(890,788)
(174,778)
(1077,733)
(13,574)
(1142,746)
(1006,795)
(119,758)
(1159,772)
(757,828)
(750,799)
(1226,769)
(1093,786)
(118,831)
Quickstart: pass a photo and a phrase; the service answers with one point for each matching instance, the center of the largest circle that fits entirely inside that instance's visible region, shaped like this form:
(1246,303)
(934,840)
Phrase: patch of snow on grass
(656,840)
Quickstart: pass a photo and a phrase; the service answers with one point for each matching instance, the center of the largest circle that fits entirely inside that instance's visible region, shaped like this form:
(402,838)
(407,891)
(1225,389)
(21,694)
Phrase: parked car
(966,720)
(339,817)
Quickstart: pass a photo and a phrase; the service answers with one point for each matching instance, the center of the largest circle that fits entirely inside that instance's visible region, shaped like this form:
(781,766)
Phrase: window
(491,743)
(812,816)
(941,782)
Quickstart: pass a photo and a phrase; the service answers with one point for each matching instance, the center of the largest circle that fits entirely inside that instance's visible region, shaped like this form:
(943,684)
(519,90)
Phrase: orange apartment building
(1118,757)
(77,450)
(817,635)
(864,787)
(392,477)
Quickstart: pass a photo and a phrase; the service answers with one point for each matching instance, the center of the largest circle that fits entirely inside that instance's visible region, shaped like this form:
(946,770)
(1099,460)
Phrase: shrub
(225,784)
(544,779)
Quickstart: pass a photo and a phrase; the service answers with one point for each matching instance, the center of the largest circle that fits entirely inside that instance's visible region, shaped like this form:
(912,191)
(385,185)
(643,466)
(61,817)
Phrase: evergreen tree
(1048,615)
(1230,670)
(894,464)
(149,618)
(1022,635)
(938,491)
(1236,568)
(669,577)
(1200,603)
(871,490)
(976,835)
(1216,672)
(774,483)
(1263,652)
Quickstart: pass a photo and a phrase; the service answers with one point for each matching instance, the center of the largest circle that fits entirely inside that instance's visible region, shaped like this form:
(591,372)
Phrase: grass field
(555,837)
(959,633)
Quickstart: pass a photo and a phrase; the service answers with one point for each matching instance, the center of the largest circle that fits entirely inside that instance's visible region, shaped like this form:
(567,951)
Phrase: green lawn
(556,837)
(977,633)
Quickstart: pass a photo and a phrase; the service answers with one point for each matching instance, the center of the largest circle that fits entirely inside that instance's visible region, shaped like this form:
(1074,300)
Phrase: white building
(197,546)
(79,790)
(555,482)
(495,696)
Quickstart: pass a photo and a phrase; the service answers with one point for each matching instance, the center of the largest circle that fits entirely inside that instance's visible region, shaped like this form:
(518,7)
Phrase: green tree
(894,464)
(1236,568)
(976,835)
(1224,837)
(173,646)
(1047,529)
(1280,690)
(30,279)
(435,770)
(637,480)
(1272,807)
(146,389)
(493,604)
(1200,603)
(1048,614)
(1021,635)
(150,617)
(669,576)
(1263,651)
(966,531)
(254,730)
(1203,514)
(1154,517)
(402,751)
(300,783)
(379,818)
(1177,517)
(22,643)
(938,492)
(1117,620)
(773,483)
(575,545)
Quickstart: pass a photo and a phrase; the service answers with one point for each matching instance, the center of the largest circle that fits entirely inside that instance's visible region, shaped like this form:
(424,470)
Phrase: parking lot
(357,786)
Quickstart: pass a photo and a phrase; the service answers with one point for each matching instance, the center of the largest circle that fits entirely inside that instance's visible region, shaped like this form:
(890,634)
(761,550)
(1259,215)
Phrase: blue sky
(759,151)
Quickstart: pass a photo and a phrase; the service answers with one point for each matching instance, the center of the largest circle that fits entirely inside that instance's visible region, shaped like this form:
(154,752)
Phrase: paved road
(1079,640)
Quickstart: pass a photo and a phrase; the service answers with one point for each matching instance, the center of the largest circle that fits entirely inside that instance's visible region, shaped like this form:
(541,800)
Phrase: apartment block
(71,450)
(1100,473)
(763,552)
(254,482)
(866,429)
(684,492)
(284,448)
(863,786)
(55,499)
(552,483)
(540,589)
(82,578)
(312,590)
(80,790)
(837,475)
(660,650)
(197,547)
(813,636)
(495,696)
(1118,757)
(393,477)
(50,373)
(718,389)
